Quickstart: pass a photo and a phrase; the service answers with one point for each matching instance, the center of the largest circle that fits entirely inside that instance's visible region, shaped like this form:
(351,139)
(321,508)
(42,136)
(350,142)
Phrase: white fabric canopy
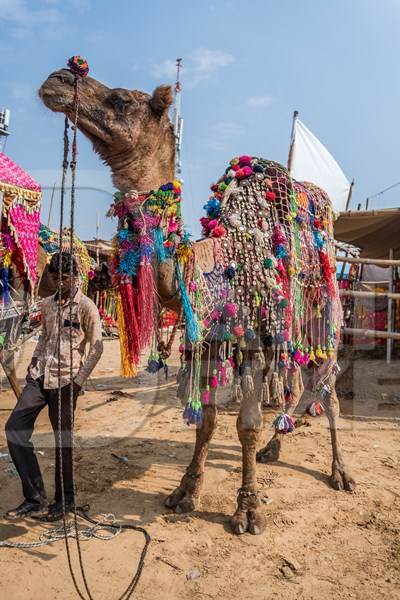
(312,162)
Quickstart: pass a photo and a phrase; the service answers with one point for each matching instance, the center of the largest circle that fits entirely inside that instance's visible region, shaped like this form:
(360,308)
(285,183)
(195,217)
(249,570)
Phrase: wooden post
(292,139)
(389,312)
(349,195)
(379,262)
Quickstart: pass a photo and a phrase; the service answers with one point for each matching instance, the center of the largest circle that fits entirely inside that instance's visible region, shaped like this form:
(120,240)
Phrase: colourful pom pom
(238,331)
(192,286)
(215,315)
(230,309)
(219,231)
(205,396)
(230,272)
(244,160)
(250,335)
(78,66)
(268,263)
(247,171)
(283,303)
(214,382)
(283,423)
(270,196)
(315,409)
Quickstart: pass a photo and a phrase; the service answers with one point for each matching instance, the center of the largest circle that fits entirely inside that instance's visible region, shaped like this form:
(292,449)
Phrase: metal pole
(51,205)
(389,312)
(292,138)
(97,240)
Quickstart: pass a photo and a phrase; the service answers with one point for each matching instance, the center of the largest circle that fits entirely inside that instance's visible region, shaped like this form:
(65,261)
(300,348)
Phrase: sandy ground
(319,544)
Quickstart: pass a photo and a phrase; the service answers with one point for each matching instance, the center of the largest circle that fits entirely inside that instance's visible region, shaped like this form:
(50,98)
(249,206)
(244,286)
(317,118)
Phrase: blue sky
(247,66)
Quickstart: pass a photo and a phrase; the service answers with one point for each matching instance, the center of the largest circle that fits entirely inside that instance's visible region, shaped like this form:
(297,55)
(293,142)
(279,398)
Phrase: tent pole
(292,136)
(349,195)
(389,312)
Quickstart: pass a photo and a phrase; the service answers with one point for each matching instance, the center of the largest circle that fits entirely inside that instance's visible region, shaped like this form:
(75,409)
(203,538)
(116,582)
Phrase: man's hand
(32,364)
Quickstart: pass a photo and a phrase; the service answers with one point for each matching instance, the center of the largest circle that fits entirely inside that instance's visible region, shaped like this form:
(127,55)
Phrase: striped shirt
(86,330)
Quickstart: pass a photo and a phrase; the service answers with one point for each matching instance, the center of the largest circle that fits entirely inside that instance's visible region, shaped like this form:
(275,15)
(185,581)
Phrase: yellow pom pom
(312,355)
(319,352)
(7,259)
(291,271)
(176,183)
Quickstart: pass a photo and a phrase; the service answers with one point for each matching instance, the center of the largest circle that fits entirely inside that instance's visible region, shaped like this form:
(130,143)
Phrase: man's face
(67,282)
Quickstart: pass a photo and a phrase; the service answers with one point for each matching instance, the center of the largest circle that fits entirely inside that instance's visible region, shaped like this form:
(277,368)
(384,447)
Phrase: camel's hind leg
(186,497)
(271,451)
(340,479)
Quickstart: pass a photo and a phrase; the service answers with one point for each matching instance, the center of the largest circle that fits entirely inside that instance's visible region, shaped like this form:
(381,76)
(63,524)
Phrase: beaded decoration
(278,286)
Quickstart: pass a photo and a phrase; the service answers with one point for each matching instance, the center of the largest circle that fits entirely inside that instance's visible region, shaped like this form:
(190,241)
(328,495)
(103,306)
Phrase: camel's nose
(64,75)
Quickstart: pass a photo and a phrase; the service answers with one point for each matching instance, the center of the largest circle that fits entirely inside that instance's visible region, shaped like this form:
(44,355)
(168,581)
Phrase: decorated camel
(258,293)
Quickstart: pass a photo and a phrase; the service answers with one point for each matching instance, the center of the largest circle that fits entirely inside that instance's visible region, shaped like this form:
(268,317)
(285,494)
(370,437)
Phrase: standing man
(42,389)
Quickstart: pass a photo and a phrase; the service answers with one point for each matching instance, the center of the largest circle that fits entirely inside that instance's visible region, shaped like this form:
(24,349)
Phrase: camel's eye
(121,100)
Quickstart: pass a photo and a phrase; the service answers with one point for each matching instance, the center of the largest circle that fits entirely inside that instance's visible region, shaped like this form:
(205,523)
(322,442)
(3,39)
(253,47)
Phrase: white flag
(312,162)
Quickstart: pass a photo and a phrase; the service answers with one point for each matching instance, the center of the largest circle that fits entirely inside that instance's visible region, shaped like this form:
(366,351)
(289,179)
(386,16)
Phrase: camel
(132,134)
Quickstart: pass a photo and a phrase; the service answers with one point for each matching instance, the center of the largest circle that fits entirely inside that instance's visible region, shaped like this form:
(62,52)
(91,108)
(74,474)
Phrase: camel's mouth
(58,94)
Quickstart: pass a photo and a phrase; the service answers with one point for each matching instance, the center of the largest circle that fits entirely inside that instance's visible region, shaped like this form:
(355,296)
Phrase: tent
(375,232)
(20,220)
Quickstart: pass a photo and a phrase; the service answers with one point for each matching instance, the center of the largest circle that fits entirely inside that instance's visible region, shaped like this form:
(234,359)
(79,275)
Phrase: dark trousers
(19,429)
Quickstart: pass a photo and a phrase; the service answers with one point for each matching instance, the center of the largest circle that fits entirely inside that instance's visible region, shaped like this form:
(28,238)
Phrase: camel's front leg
(341,478)
(249,515)
(186,496)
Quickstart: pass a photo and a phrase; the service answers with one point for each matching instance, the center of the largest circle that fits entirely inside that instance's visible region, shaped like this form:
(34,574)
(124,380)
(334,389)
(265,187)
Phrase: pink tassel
(146,303)
(205,397)
(224,379)
(214,382)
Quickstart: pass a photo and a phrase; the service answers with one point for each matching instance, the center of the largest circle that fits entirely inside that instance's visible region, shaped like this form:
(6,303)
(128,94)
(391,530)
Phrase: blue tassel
(159,247)
(4,280)
(193,413)
(192,325)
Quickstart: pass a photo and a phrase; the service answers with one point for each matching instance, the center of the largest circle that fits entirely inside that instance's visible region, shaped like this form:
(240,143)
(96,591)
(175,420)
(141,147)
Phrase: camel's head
(127,128)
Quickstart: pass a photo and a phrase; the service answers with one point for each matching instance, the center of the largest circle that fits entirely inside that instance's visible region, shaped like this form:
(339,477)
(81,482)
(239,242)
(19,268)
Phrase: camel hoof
(270,453)
(257,522)
(239,522)
(341,479)
(186,505)
(173,499)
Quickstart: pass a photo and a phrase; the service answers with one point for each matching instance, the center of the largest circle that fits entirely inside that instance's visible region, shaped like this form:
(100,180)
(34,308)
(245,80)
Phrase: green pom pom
(283,303)
(268,263)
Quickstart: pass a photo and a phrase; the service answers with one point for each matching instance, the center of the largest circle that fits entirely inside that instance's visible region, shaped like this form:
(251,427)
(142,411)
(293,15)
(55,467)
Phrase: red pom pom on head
(78,66)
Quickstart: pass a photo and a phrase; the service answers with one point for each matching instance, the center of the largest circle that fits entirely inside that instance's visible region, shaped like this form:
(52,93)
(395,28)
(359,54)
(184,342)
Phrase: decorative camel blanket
(270,283)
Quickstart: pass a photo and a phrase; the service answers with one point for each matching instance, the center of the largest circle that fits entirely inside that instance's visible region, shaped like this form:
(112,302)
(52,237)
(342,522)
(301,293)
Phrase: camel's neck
(144,169)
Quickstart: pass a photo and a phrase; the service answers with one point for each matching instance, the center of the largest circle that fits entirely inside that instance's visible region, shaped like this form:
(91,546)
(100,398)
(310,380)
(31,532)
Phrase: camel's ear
(161,99)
